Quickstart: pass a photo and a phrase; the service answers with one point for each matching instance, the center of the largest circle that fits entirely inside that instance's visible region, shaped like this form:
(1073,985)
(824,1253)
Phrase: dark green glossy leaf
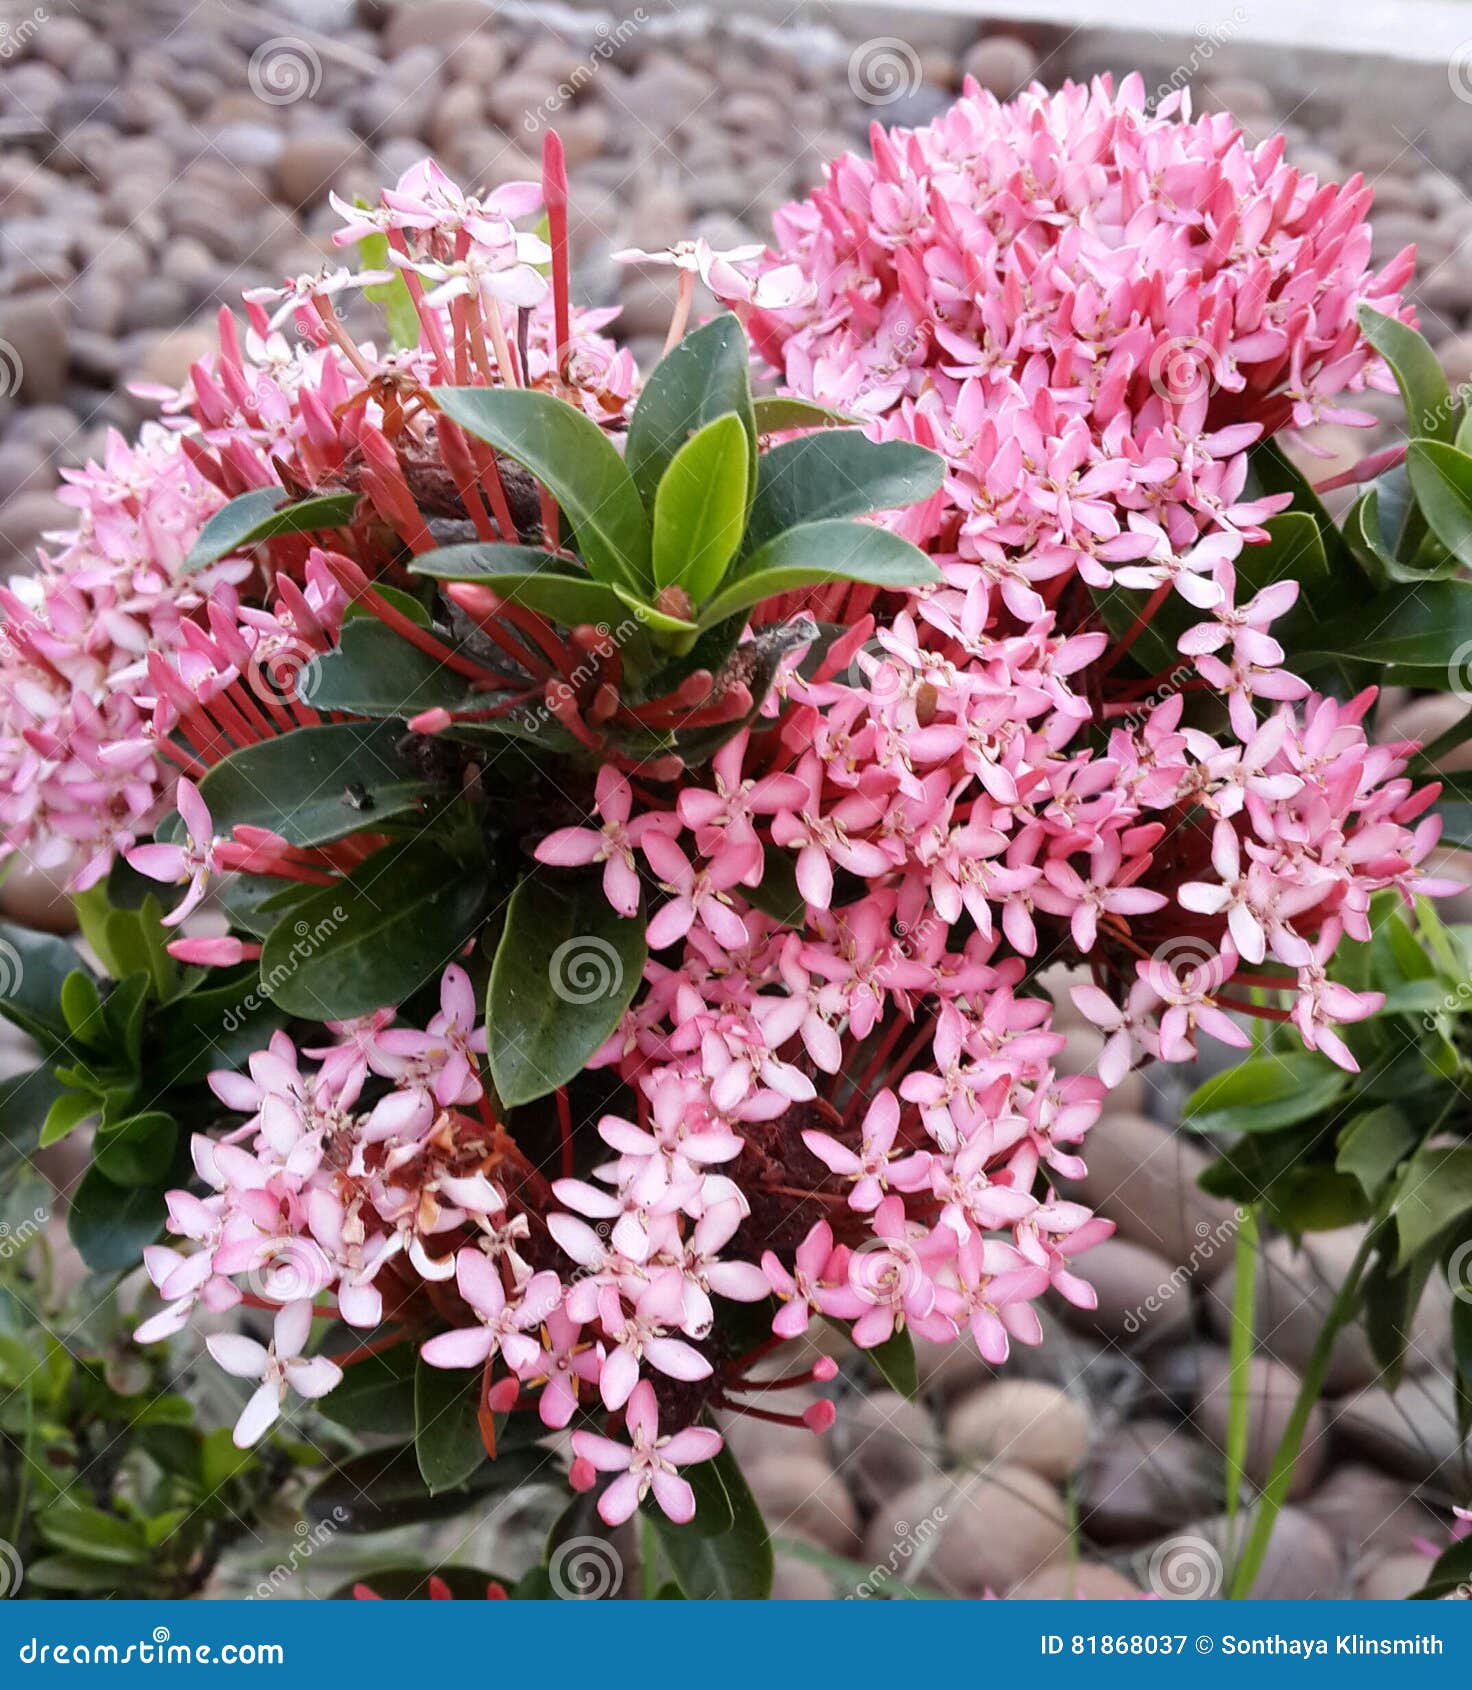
(566,969)
(25,1100)
(895,1359)
(1437,1190)
(317,784)
(137,1152)
(778,412)
(375,937)
(218,1026)
(524,575)
(839,474)
(376,672)
(377,1391)
(110,1223)
(1373,1145)
(261,515)
(819,552)
(574,460)
(447,1440)
(706,376)
(737,1565)
(1442,479)
(33,969)
(383,1488)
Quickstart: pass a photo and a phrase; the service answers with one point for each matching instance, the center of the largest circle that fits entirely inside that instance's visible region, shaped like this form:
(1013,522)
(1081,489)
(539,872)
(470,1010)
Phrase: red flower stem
(564,1129)
(1137,627)
(357,584)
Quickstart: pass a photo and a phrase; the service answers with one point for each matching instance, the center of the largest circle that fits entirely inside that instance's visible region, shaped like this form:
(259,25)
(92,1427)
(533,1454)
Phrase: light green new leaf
(700,509)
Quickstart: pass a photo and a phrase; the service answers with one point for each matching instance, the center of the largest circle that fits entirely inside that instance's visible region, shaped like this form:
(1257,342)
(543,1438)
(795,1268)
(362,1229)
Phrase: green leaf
(25,1102)
(110,1223)
(565,970)
(260,515)
(447,1440)
(383,1488)
(316,785)
(823,476)
(376,672)
(1373,1146)
(1265,1094)
(895,1359)
(137,1151)
(1417,371)
(524,575)
(708,375)
(392,297)
(778,412)
(33,969)
(217,1026)
(1436,1190)
(1442,479)
(714,1512)
(66,1114)
(700,509)
(777,893)
(377,1391)
(574,460)
(819,552)
(735,1566)
(91,1533)
(1420,627)
(375,937)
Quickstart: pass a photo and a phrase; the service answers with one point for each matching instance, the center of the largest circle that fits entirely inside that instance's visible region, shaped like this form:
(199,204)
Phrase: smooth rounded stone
(1076,1581)
(256,146)
(23,469)
(1143,1300)
(311,164)
(33,327)
(1392,230)
(1303,1563)
(1001,64)
(169,355)
(97,357)
(1393,1578)
(23,522)
(882,1442)
(646,304)
(388,111)
(457,108)
(36,899)
(661,214)
(948,1369)
(1142,1479)
(667,93)
(520,102)
(968,1535)
(1294,1289)
(1271,1392)
(445,24)
(1395,194)
(51,427)
(917,108)
(97,301)
(1239,95)
(585,132)
(799,1581)
(1371,1512)
(1144,1179)
(1427,719)
(1447,288)
(157,302)
(1454,354)
(801,1495)
(1412,1432)
(1023,1421)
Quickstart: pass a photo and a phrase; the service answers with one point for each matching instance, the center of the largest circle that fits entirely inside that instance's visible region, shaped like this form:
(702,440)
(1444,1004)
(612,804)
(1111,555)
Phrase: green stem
(1244,1295)
(1285,1458)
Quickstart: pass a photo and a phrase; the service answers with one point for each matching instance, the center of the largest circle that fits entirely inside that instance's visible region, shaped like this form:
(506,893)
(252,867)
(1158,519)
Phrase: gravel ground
(157,156)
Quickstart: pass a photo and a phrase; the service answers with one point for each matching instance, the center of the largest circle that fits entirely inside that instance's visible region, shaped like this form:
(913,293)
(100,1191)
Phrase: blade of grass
(1243,1331)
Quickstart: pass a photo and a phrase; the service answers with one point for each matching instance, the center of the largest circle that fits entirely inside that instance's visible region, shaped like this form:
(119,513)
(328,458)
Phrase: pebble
(970,1535)
(1271,1390)
(882,1442)
(1302,1561)
(1371,1512)
(1393,1578)
(1143,1299)
(1076,1581)
(1143,1479)
(23,520)
(311,164)
(801,1496)
(1022,1421)
(799,1581)
(1001,64)
(1412,1432)
(33,326)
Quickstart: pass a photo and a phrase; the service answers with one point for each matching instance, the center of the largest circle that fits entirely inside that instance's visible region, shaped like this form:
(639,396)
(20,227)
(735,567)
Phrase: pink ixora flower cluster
(1093,313)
